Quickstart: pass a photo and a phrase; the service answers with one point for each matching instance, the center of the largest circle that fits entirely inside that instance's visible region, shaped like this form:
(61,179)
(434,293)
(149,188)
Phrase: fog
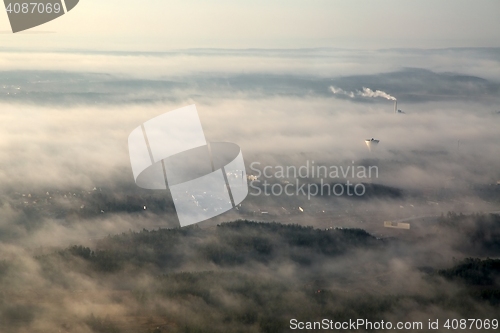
(65,179)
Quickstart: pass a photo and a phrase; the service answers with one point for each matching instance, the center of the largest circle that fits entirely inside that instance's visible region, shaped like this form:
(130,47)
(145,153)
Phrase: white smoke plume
(367,92)
(340,91)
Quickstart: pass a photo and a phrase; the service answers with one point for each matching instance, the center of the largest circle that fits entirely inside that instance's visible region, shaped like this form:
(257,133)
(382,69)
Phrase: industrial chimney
(396,106)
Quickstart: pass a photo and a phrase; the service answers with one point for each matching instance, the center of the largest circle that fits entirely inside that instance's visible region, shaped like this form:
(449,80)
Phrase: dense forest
(247,276)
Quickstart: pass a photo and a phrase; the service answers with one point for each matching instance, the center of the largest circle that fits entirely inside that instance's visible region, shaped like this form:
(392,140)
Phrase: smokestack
(396,106)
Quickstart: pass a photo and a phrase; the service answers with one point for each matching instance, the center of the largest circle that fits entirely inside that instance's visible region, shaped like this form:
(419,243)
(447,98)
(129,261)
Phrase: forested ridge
(247,276)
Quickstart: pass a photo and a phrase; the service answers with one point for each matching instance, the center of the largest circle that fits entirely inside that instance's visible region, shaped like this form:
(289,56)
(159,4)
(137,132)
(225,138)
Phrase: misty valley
(373,191)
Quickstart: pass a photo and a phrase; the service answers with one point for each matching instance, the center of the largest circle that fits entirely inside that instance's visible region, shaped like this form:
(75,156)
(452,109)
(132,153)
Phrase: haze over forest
(83,249)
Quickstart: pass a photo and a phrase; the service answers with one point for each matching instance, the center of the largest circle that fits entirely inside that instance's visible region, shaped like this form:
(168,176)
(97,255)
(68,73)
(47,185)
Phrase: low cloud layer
(65,178)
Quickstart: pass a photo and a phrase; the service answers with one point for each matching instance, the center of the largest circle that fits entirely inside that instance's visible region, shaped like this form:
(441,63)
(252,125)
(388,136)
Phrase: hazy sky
(166,24)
